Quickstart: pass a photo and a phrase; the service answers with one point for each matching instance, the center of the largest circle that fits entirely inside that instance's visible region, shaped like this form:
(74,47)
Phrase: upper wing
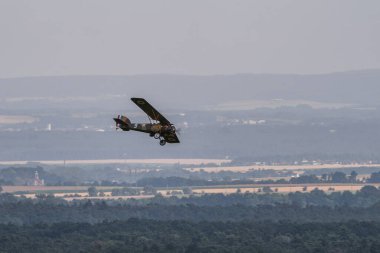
(171,138)
(148,109)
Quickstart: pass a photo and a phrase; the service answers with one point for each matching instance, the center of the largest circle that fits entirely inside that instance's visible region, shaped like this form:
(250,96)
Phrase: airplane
(159,127)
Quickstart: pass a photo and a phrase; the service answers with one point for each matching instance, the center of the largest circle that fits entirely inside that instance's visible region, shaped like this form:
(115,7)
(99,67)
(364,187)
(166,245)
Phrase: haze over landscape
(300,114)
(276,105)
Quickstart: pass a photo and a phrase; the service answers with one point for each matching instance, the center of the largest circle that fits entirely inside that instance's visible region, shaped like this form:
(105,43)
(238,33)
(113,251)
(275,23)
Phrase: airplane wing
(149,109)
(171,138)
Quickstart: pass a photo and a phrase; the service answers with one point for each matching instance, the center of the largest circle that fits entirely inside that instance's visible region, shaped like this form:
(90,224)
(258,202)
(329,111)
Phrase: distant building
(37,180)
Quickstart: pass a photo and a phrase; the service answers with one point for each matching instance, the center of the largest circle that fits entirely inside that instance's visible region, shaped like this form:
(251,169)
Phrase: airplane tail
(125,120)
(122,122)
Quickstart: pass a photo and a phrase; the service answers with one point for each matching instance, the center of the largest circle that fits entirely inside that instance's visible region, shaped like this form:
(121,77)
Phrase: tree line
(314,206)
(136,235)
(240,222)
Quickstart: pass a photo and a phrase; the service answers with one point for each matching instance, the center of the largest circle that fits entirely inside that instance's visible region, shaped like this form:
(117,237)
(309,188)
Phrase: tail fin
(123,123)
(125,120)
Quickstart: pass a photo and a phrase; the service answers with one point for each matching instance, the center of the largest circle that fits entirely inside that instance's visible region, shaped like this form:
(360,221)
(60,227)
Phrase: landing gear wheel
(157,135)
(162,142)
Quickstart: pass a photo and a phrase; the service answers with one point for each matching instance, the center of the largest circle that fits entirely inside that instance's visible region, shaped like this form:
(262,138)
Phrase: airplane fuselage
(159,127)
(147,128)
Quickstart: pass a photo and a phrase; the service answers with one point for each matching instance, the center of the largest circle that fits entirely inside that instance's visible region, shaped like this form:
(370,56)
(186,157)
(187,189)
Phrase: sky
(197,37)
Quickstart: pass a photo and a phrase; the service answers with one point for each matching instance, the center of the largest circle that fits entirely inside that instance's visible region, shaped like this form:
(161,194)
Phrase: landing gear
(158,137)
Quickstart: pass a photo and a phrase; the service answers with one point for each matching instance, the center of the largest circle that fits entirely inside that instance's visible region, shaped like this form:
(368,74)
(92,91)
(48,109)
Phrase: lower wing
(171,138)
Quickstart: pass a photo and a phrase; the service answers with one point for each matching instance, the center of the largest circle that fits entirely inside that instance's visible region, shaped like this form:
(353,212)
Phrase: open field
(112,197)
(295,168)
(280,189)
(61,191)
(52,189)
(120,161)
(16,119)
(243,188)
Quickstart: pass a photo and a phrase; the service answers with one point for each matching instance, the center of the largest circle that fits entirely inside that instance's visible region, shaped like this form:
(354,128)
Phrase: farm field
(61,191)
(296,168)
(13,189)
(121,161)
(280,189)
(110,197)
(16,119)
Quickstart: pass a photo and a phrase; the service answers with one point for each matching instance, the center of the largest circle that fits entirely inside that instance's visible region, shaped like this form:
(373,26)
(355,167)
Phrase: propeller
(178,131)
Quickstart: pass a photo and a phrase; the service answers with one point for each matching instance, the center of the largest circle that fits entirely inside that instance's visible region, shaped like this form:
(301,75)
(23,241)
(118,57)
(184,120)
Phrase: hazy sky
(74,37)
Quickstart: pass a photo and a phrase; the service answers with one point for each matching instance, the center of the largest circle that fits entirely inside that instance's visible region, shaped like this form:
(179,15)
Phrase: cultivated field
(296,168)
(280,188)
(121,161)
(63,191)
(16,119)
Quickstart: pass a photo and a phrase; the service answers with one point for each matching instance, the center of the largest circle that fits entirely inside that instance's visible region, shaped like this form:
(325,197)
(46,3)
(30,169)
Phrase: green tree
(92,191)
(267,189)
(369,190)
(149,190)
(353,176)
(374,178)
(187,190)
(303,179)
(338,177)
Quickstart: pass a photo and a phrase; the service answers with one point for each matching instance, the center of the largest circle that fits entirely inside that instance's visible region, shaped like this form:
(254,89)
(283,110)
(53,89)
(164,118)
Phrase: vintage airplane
(160,128)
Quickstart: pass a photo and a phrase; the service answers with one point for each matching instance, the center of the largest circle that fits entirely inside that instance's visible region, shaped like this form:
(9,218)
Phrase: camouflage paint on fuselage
(142,127)
(163,130)
(146,127)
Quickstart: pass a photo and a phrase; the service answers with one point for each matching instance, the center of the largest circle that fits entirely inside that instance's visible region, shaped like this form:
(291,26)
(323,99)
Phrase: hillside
(202,92)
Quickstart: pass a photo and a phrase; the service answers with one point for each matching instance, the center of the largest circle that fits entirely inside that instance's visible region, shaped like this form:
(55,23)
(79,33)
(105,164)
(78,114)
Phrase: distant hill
(187,92)
(79,108)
